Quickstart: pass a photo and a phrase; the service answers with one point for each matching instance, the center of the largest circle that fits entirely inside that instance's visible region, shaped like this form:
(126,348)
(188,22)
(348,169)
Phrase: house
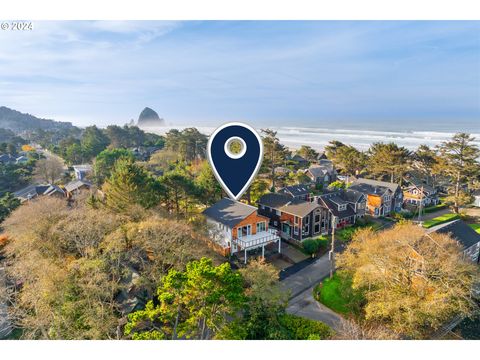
(301,191)
(300,161)
(295,218)
(417,193)
(7,159)
(32,191)
(82,171)
(76,186)
(476,198)
(322,174)
(383,198)
(345,205)
(468,238)
(238,227)
(21,160)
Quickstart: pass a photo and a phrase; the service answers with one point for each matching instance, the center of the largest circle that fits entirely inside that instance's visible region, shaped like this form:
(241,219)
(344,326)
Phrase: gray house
(464,234)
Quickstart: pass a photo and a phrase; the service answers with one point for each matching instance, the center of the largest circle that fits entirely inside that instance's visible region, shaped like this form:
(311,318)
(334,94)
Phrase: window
(296,220)
(342,207)
(317,218)
(306,220)
(244,231)
(262,207)
(316,228)
(388,198)
(261,226)
(278,212)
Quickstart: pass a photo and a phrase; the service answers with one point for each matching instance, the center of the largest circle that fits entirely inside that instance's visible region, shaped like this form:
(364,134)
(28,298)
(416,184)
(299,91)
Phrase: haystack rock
(148,117)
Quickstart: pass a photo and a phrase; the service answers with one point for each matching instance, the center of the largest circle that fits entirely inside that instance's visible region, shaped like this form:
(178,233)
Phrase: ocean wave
(318,138)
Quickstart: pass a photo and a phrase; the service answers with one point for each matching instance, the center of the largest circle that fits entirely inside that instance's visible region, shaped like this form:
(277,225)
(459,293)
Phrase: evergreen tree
(459,160)
(130,184)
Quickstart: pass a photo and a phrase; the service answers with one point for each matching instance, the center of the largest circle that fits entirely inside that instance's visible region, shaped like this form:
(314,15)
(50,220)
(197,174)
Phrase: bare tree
(49,169)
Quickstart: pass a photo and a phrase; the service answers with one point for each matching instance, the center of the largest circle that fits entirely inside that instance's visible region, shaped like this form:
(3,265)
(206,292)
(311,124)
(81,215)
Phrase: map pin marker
(235,170)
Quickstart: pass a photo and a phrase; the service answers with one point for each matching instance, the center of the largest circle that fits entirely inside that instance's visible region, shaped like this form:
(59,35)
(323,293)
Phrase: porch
(255,241)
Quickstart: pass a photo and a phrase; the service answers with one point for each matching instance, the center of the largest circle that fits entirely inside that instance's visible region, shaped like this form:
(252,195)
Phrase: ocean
(317,138)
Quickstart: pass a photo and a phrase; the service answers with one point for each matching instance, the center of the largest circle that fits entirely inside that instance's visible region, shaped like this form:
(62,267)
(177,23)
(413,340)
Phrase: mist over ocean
(361,135)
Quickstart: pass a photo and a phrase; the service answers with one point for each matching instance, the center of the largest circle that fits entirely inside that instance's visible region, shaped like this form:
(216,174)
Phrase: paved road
(301,284)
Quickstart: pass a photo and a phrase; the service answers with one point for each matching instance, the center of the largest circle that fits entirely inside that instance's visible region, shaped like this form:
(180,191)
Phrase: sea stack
(149,117)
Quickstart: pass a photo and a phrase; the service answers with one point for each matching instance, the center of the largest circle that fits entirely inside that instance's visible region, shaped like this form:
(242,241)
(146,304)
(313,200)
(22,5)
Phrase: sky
(283,73)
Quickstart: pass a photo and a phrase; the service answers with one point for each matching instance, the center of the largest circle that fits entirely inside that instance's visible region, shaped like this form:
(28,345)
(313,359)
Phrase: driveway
(300,281)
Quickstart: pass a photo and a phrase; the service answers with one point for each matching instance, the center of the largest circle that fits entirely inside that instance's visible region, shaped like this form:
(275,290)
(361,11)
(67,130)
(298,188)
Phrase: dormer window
(342,207)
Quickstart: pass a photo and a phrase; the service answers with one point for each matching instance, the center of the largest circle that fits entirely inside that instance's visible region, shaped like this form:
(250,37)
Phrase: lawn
(337,294)
(440,220)
(475,227)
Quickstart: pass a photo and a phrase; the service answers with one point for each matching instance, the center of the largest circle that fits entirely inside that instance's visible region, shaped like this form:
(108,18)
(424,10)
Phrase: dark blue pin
(235,170)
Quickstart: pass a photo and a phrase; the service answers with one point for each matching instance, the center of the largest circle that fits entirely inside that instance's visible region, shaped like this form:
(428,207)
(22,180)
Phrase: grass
(475,227)
(434,208)
(337,294)
(440,220)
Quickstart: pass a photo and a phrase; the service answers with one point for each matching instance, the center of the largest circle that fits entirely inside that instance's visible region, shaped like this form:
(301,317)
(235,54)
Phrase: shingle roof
(299,207)
(318,171)
(353,195)
(76,184)
(296,190)
(274,200)
(460,231)
(331,202)
(229,212)
(373,186)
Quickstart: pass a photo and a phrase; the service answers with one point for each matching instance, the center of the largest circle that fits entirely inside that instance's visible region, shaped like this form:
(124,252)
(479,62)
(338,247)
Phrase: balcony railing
(258,239)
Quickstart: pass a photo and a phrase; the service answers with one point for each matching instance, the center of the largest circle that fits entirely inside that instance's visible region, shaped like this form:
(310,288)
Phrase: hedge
(300,328)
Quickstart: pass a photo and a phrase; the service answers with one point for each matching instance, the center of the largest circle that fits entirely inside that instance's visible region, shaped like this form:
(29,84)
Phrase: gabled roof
(32,191)
(464,234)
(296,190)
(332,201)
(419,184)
(299,208)
(77,184)
(274,200)
(229,212)
(297,157)
(369,186)
(353,195)
(318,171)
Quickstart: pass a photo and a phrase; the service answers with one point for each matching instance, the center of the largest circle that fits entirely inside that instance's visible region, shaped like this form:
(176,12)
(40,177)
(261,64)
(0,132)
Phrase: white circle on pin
(228,149)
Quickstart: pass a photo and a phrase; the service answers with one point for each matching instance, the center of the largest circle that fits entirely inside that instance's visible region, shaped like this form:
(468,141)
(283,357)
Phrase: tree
(337,185)
(274,153)
(163,160)
(195,303)
(350,160)
(105,161)
(207,184)
(258,188)
(8,203)
(425,160)
(189,143)
(413,282)
(459,161)
(332,148)
(49,169)
(93,142)
(388,159)
(179,190)
(130,184)
(308,153)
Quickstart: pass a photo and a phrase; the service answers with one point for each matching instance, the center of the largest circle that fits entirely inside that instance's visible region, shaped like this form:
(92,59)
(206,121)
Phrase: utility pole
(420,206)
(331,254)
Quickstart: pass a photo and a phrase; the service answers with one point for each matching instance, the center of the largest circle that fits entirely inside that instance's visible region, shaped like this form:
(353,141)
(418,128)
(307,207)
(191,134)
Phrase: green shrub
(305,329)
(311,246)
(346,234)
